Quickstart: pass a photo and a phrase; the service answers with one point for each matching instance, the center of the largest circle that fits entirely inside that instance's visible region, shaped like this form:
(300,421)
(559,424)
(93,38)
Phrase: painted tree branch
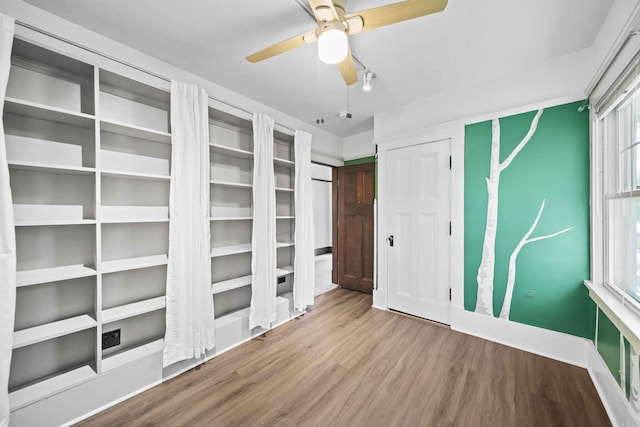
(511,278)
(485,277)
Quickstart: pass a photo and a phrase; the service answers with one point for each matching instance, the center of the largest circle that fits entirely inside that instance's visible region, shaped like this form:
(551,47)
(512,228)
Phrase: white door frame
(454,132)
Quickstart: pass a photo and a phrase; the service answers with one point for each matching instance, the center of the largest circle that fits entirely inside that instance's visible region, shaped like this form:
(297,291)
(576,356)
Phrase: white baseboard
(614,401)
(380,299)
(555,345)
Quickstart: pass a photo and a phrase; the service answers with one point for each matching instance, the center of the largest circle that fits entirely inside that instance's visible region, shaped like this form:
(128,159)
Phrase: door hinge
(449,228)
(449,294)
(450,162)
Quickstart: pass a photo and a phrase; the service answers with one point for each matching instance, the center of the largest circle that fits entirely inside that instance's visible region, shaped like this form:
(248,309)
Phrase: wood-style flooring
(347,364)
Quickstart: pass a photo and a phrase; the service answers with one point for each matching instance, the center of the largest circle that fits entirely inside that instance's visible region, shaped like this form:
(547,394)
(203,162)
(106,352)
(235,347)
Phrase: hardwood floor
(346,364)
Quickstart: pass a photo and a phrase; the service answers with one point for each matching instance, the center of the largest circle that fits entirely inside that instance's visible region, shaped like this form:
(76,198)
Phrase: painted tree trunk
(511,278)
(484,302)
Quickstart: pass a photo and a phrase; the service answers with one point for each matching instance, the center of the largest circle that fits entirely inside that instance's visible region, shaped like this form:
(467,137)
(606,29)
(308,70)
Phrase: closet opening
(323,206)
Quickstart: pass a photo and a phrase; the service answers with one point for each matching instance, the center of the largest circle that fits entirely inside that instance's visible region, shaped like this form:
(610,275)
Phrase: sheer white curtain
(190,329)
(7,232)
(263,239)
(304,263)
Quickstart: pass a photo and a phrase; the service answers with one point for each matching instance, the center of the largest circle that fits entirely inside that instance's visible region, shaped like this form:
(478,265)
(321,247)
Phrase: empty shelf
(231,218)
(119,359)
(230,250)
(133,220)
(50,167)
(133,309)
(283,189)
(284,271)
(286,217)
(230,151)
(135,175)
(135,131)
(26,395)
(51,330)
(133,263)
(44,222)
(284,244)
(283,162)
(230,284)
(53,274)
(45,112)
(231,184)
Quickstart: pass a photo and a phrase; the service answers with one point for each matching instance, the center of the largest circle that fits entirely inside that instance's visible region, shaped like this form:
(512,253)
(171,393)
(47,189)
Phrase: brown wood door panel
(355,195)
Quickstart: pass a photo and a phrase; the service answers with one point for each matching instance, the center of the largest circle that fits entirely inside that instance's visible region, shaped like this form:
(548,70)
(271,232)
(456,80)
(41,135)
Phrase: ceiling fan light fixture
(333,45)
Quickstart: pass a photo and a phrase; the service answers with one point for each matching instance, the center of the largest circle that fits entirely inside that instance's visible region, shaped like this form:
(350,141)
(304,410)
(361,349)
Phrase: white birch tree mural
(485,277)
(634,391)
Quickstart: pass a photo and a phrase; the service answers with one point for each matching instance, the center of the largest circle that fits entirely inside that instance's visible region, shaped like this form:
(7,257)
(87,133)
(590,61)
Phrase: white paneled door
(418,189)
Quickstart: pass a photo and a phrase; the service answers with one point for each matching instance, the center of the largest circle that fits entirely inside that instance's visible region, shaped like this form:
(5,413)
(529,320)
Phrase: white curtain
(263,239)
(189,313)
(304,263)
(7,232)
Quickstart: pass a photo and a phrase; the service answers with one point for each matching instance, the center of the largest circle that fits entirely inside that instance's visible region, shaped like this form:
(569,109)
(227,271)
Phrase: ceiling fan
(335,25)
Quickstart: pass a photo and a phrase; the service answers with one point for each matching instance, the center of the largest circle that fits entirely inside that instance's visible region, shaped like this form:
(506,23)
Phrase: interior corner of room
(467,176)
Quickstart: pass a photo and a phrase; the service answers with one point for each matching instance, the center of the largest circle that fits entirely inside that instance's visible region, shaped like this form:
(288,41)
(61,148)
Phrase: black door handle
(390,239)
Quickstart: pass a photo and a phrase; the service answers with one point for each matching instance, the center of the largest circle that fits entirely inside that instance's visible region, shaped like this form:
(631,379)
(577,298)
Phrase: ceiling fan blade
(324,10)
(395,12)
(283,46)
(348,69)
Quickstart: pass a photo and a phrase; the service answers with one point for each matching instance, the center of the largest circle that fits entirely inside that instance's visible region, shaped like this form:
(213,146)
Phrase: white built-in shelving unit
(88,153)
(284,168)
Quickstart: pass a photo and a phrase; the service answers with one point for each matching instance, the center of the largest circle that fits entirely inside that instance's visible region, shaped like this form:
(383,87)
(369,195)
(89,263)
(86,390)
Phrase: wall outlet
(111,339)
(282,280)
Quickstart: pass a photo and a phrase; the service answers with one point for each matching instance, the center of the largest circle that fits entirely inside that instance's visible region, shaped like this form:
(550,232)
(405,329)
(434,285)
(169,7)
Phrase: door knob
(390,239)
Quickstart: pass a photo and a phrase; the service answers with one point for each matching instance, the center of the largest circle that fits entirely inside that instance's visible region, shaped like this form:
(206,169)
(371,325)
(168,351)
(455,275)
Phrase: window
(622,194)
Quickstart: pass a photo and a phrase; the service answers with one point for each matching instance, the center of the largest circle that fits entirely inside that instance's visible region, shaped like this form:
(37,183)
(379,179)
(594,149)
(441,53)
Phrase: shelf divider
(51,330)
(134,309)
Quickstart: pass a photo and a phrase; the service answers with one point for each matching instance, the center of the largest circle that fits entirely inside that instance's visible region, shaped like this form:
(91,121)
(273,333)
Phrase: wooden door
(418,220)
(356,192)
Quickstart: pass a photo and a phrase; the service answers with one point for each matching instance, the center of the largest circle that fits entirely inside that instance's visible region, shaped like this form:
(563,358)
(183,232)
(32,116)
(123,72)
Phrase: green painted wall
(609,344)
(553,166)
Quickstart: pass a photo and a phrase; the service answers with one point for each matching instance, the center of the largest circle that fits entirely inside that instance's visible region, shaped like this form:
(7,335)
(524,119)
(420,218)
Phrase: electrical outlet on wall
(111,339)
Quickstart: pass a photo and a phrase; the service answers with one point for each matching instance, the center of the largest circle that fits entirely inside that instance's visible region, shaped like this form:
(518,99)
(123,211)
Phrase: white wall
(562,78)
(321,187)
(358,146)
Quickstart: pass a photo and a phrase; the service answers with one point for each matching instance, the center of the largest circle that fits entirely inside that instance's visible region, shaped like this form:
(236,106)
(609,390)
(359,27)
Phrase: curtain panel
(263,237)
(304,262)
(189,311)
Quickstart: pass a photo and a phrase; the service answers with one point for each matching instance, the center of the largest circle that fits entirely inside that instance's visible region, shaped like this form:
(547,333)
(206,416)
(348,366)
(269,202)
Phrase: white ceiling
(470,42)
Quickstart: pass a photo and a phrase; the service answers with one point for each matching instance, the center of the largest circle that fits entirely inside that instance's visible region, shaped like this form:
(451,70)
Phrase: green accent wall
(609,344)
(361,161)
(553,166)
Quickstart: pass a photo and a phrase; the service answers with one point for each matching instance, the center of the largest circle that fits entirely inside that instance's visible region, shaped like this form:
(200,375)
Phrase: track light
(366,81)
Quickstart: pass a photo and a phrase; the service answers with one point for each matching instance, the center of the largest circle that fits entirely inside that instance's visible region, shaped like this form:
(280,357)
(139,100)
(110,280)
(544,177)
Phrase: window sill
(624,317)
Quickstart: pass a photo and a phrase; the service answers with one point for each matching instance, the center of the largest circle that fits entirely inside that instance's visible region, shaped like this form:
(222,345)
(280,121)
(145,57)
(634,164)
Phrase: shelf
(52,330)
(135,131)
(26,395)
(45,222)
(54,274)
(133,263)
(283,162)
(230,151)
(287,190)
(230,250)
(45,112)
(50,167)
(134,309)
(133,220)
(232,218)
(230,284)
(284,244)
(284,271)
(286,217)
(136,353)
(134,175)
(231,184)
